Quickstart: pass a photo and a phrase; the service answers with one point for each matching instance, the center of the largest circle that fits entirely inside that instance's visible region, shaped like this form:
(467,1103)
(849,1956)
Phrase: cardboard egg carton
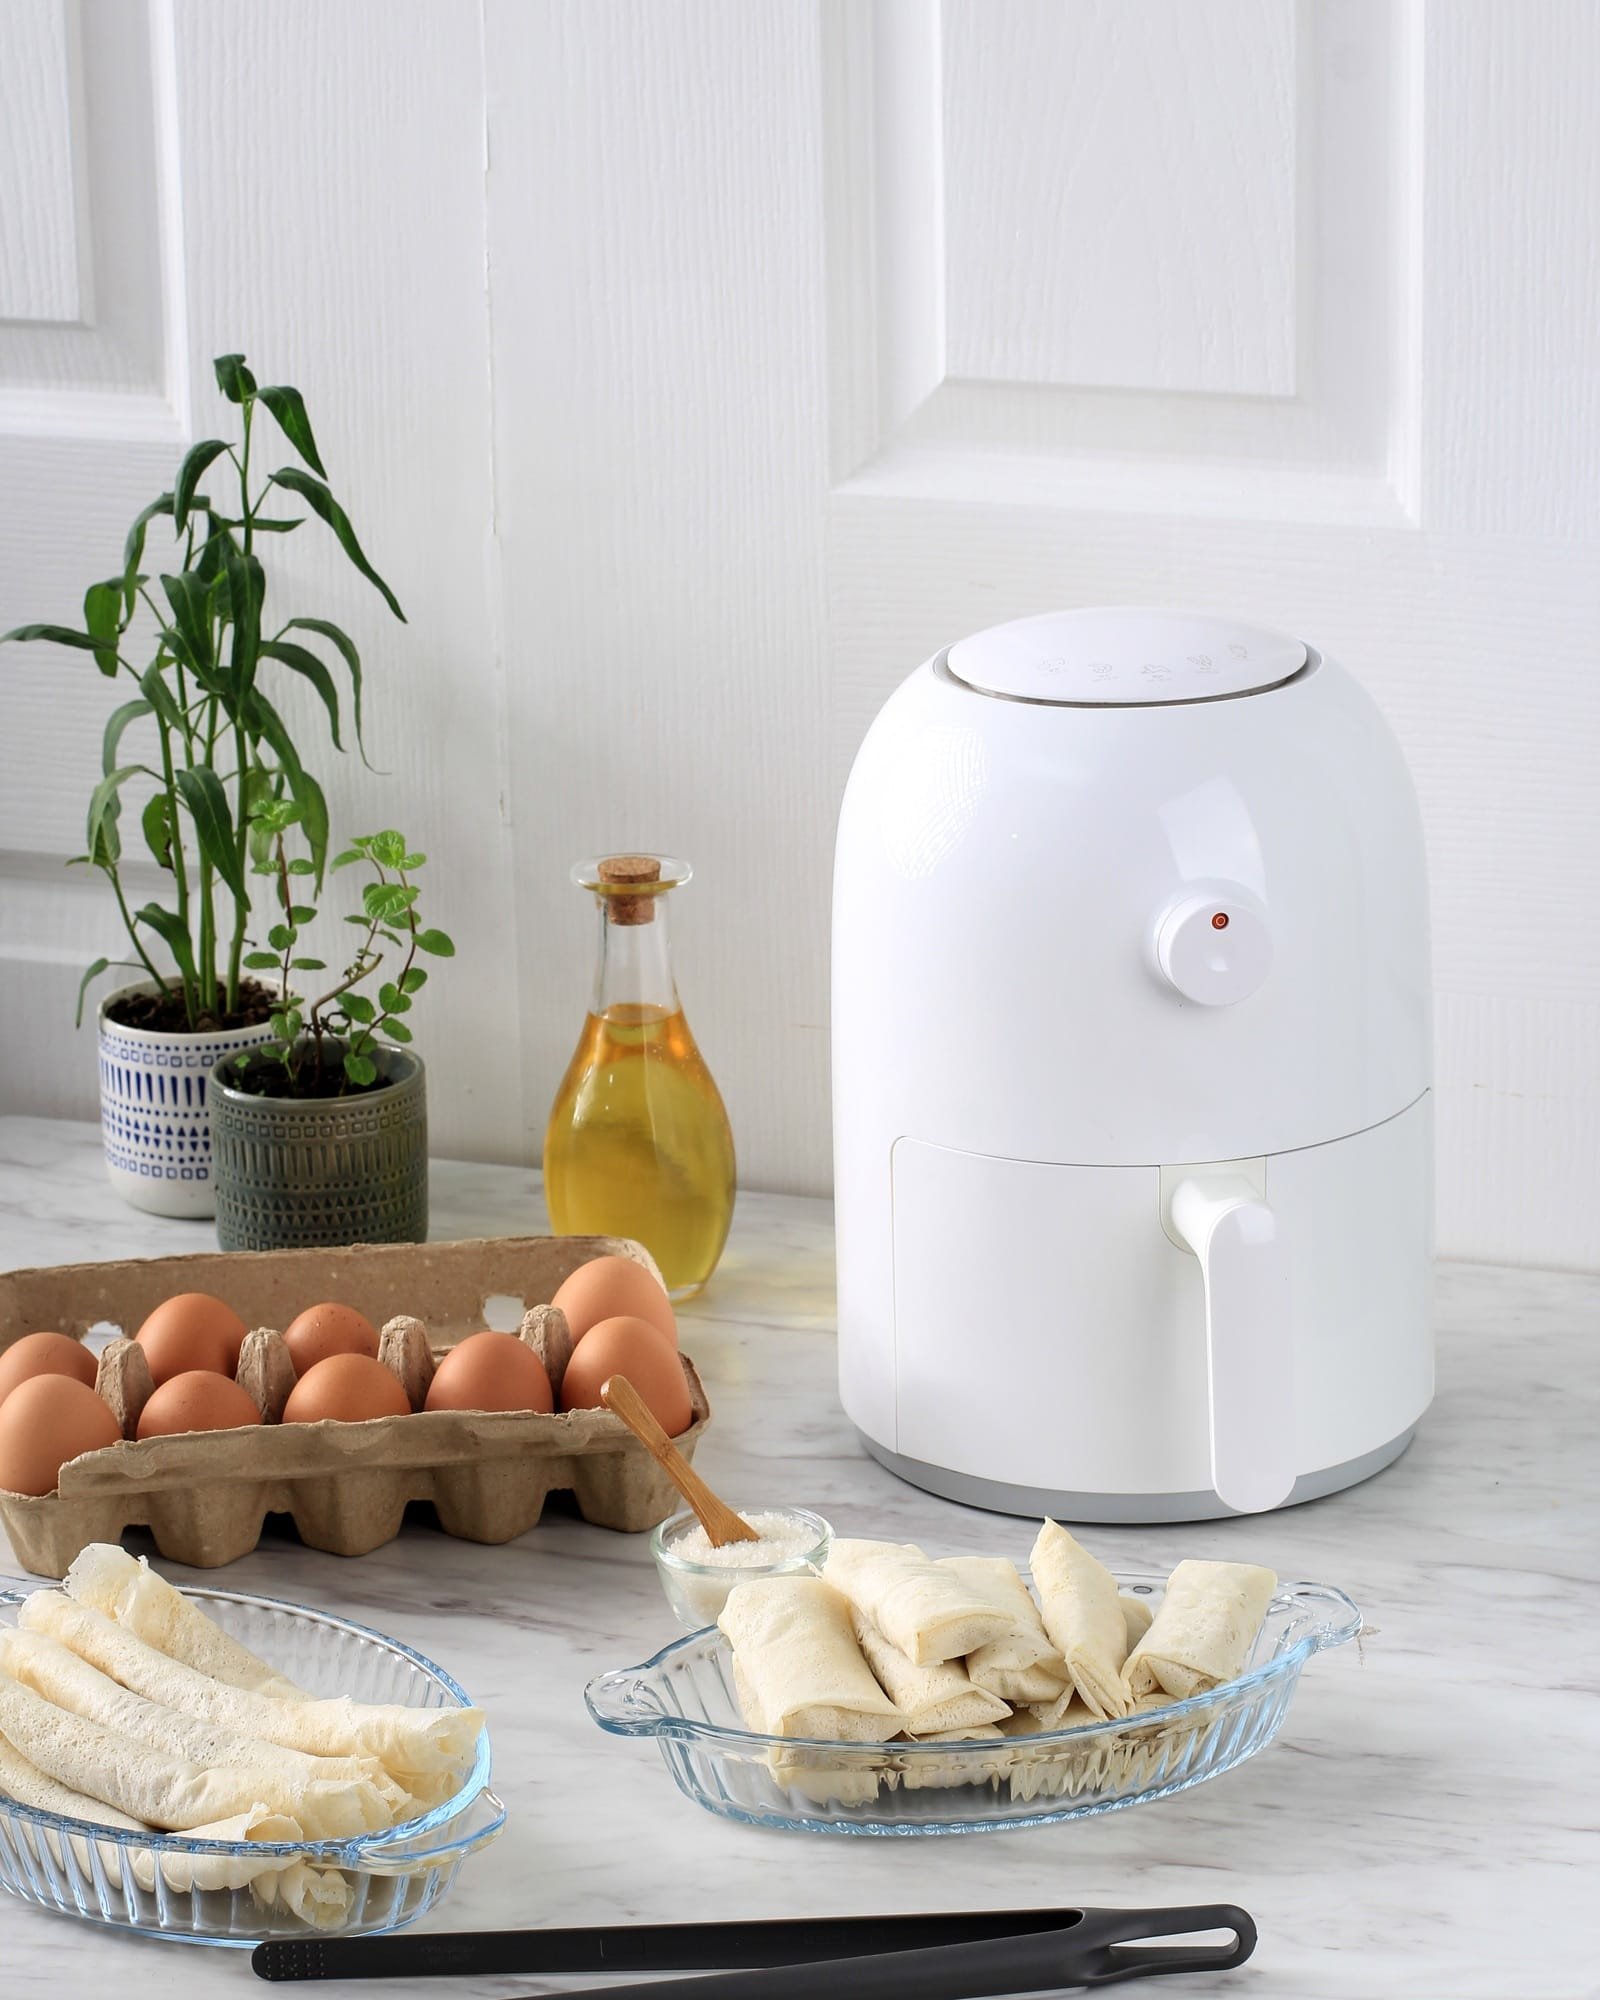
(205,1495)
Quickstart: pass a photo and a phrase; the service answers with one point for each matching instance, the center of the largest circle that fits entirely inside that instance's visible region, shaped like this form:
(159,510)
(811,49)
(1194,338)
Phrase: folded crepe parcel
(1083,1614)
(1203,1631)
(923,1607)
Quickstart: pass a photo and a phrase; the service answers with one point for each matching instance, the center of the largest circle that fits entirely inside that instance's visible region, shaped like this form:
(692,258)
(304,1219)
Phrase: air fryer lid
(1124,657)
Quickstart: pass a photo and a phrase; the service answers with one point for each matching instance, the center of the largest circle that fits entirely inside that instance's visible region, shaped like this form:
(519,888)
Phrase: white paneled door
(695,368)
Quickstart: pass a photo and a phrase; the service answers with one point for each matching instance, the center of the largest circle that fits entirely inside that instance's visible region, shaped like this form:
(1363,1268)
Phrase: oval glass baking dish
(162,1885)
(684,1698)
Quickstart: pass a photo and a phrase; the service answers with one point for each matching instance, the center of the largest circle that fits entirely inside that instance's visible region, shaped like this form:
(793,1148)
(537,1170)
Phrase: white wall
(695,368)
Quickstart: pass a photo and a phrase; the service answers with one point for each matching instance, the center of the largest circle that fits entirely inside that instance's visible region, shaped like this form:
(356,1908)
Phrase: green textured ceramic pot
(295,1173)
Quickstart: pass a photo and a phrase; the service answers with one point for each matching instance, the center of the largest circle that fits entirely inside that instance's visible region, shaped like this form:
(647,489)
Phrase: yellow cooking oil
(638,1142)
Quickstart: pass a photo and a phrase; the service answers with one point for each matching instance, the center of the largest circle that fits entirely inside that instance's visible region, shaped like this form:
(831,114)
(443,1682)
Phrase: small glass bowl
(697,1591)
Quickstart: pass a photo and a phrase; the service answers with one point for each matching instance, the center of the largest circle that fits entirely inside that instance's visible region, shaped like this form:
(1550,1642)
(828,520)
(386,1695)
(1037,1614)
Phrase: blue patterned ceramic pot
(155,1113)
(294,1173)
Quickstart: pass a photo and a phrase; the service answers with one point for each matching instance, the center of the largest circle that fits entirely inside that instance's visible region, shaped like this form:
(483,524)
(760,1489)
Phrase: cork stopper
(621,870)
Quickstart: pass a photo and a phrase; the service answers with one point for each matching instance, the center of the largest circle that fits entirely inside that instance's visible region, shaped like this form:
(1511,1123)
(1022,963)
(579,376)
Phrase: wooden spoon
(718,1519)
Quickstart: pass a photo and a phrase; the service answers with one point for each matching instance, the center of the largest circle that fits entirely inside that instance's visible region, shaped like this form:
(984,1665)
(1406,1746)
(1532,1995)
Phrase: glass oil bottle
(638,1142)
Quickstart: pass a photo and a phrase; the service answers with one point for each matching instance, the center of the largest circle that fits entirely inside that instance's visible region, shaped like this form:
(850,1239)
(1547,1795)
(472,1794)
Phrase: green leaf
(156,819)
(265,722)
(326,629)
(387,902)
(247,589)
(388,848)
(202,793)
(302,913)
(173,932)
(411,862)
(397,1031)
(88,979)
(104,806)
(360,1069)
(261,961)
(301,660)
(190,473)
(313,818)
(299,865)
(233,378)
(58,635)
(213,557)
(391,999)
(161,699)
(322,503)
(133,549)
(262,524)
(308,965)
(187,596)
(350,854)
(289,408)
(116,723)
(358,1007)
(413,980)
(280,937)
(436,942)
(102,614)
(262,844)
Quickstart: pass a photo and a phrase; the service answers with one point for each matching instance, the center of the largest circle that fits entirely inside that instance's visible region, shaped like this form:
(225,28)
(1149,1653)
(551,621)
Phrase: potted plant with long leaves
(321,1133)
(193,759)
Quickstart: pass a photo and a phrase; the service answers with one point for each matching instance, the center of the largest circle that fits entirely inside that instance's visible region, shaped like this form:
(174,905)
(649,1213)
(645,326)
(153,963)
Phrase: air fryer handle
(1249,1352)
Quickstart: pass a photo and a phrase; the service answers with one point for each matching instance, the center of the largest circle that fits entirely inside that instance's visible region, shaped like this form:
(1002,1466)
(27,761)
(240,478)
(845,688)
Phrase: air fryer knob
(1214,947)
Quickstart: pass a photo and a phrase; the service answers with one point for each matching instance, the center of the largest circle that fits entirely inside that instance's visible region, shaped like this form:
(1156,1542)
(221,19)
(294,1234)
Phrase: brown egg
(328,1329)
(614,1288)
(635,1348)
(349,1388)
(44,1354)
(491,1371)
(197,1401)
(44,1422)
(190,1331)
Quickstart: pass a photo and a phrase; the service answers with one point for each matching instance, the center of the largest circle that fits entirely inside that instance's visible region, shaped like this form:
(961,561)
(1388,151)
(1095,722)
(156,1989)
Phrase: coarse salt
(781,1539)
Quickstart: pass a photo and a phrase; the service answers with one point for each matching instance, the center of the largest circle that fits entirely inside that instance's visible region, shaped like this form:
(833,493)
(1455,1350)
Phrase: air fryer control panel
(1123,658)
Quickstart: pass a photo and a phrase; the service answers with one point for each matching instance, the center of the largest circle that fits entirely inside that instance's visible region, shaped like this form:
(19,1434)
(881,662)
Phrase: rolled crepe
(1083,1615)
(1203,1630)
(1024,1666)
(816,1774)
(408,1742)
(164,1792)
(798,1663)
(331,1797)
(107,1579)
(29,1786)
(933,1701)
(920,1606)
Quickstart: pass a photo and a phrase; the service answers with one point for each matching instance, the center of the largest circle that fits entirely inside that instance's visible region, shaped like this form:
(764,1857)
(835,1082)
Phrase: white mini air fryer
(1132,1124)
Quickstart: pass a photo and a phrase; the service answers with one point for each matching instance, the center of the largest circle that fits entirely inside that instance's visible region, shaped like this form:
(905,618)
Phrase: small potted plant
(193,758)
(320,1134)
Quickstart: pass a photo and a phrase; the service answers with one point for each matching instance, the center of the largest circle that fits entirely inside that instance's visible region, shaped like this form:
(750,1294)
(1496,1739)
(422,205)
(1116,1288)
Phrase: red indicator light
(1220,921)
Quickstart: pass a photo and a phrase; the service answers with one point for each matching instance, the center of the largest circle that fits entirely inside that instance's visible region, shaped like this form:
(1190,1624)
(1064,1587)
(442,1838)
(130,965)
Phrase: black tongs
(952,1956)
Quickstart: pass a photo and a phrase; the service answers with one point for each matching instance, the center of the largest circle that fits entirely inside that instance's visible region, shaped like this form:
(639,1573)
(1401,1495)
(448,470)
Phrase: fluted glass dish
(684,1699)
(132,1881)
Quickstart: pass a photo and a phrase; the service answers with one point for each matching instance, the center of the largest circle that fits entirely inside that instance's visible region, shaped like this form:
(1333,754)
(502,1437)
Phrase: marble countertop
(1424,1825)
